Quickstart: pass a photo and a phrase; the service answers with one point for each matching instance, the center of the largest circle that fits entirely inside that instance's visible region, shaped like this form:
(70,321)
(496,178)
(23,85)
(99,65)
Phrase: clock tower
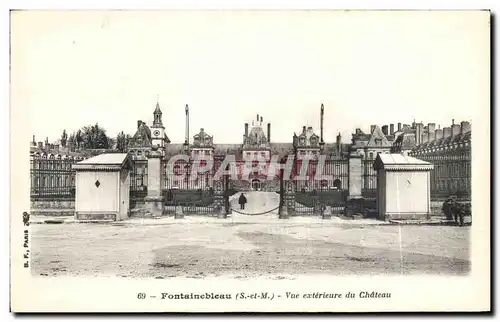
(157,130)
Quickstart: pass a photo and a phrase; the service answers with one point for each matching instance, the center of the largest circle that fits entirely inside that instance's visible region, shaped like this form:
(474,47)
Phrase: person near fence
(447,209)
(226,201)
(457,212)
(242,201)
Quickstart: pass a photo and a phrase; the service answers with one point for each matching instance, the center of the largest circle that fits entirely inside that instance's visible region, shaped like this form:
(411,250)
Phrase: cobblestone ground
(255,246)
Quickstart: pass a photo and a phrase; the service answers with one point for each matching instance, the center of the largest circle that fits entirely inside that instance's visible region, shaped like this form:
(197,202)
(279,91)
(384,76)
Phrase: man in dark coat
(458,213)
(447,209)
(242,201)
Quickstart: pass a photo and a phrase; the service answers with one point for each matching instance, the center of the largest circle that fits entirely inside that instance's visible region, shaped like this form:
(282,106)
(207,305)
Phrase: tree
(64,138)
(79,138)
(94,137)
(122,141)
(72,141)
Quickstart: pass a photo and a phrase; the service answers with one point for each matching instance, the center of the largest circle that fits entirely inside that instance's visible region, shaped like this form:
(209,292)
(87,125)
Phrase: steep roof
(256,138)
(307,138)
(378,138)
(142,137)
(157,109)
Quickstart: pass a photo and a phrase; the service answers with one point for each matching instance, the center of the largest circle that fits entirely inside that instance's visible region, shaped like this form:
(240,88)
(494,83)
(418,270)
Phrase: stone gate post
(289,200)
(355,176)
(154,200)
(219,206)
(355,200)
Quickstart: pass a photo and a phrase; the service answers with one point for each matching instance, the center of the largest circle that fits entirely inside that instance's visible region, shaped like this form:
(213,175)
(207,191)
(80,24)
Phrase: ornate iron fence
(369,181)
(138,180)
(179,176)
(451,175)
(52,178)
(312,193)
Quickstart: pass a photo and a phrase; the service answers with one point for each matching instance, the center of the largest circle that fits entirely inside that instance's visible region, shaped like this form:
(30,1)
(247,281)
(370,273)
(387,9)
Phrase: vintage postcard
(250,161)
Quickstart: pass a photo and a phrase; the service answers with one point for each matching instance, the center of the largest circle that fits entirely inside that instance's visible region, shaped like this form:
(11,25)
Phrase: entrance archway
(255,184)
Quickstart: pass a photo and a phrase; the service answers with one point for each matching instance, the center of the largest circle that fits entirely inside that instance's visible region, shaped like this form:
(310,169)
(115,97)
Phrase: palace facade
(449,149)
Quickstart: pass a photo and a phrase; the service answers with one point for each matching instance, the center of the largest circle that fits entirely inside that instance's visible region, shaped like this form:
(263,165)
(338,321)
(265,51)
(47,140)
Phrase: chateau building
(449,149)
(379,140)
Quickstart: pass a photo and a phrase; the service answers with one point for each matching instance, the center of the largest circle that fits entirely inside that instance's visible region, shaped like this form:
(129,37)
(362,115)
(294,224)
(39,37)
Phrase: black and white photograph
(211,153)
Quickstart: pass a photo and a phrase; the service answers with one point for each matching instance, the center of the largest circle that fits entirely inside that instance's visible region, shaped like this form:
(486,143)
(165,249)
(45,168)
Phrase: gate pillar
(355,201)
(288,200)
(154,200)
(219,197)
(355,176)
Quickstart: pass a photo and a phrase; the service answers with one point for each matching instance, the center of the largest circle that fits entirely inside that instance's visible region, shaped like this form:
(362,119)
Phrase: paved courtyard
(245,246)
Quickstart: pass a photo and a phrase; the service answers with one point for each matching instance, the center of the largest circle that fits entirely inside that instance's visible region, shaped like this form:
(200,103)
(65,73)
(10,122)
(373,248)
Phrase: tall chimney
(321,122)
(455,129)
(425,139)
(269,132)
(399,126)
(446,132)
(431,136)
(439,134)
(246,129)
(372,128)
(339,144)
(419,127)
(304,129)
(384,130)
(391,129)
(139,122)
(431,127)
(187,125)
(464,128)
(40,144)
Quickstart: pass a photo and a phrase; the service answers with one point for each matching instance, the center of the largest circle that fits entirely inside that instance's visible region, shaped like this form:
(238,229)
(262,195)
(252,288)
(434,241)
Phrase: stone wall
(53,208)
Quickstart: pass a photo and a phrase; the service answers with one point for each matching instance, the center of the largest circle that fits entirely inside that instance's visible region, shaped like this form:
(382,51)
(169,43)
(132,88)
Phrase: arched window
(337,183)
(371,155)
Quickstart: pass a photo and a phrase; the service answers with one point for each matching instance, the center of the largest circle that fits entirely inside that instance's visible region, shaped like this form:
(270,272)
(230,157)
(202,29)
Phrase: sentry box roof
(400,162)
(105,162)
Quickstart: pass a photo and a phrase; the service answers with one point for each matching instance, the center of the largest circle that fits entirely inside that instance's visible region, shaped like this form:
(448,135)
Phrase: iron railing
(369,179)
(451,175)
(138,180)
(313,193)
(52,178)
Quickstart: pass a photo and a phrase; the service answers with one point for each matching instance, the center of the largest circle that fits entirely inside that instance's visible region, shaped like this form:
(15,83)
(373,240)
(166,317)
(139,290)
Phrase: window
(371,155)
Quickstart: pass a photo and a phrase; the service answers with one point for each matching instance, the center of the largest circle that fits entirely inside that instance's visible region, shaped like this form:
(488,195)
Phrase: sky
(75,68)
